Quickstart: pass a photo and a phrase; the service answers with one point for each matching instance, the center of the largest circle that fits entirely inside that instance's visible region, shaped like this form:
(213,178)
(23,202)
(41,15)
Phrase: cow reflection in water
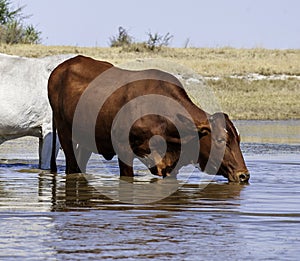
(215,135)
(74,191)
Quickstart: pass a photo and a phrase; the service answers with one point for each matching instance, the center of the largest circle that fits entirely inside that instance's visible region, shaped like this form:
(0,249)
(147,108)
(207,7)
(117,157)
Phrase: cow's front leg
(125,170)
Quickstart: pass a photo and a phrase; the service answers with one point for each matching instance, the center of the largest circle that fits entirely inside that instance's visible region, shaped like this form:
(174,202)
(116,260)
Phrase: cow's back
(23,95)
(24,106)
(81,88)
(69,80)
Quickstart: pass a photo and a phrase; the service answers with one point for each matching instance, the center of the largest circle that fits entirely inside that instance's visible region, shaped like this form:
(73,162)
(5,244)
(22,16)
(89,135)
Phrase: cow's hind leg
(71,162)
(75,161)
(125,170)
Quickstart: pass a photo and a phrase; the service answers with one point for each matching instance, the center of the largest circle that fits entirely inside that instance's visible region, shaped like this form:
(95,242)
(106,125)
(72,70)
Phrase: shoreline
(255,77)
(251,131)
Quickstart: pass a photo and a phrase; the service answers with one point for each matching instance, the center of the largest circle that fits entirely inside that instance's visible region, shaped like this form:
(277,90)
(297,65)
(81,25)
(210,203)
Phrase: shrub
(7,15)
(156,41)
(122,39)
(31,35)
(12,30)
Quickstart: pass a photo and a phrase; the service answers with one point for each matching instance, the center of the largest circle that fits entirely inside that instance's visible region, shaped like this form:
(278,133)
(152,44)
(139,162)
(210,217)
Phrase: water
(54,217)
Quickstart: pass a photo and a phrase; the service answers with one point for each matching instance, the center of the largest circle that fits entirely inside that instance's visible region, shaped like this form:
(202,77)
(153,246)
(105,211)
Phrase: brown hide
(145,114)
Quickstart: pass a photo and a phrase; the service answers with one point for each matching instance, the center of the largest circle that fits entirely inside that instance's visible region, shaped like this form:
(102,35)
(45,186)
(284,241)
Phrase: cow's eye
(220,140)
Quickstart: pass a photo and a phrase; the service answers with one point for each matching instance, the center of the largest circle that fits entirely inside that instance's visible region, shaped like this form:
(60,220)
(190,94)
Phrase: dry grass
(261,99)
(205,61)
(241,99)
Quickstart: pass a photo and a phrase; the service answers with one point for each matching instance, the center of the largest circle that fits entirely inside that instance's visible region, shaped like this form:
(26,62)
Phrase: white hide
(24,106)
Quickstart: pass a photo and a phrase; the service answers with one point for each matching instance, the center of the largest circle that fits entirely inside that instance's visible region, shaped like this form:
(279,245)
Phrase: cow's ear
(187,128)
(185,123)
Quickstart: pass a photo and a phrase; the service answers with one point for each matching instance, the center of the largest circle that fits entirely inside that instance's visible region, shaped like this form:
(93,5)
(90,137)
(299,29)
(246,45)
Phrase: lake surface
(54,217)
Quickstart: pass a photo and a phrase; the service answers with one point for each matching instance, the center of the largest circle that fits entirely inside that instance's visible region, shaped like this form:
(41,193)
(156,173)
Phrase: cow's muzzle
(244,177)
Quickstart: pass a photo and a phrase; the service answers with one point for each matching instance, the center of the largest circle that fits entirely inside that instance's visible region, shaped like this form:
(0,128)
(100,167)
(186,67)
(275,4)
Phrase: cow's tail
(53,165)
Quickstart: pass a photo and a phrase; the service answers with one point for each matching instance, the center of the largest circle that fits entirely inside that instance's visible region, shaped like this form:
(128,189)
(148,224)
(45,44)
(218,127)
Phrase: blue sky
(206,23)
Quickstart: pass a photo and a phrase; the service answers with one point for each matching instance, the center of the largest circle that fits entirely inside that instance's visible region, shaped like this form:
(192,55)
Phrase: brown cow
(138,114)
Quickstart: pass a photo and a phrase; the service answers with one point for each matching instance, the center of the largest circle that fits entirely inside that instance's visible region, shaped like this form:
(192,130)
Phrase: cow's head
(220,151)
(219,146)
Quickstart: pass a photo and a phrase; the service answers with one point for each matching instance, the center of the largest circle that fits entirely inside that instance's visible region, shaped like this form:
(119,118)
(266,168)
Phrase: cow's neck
(199,116)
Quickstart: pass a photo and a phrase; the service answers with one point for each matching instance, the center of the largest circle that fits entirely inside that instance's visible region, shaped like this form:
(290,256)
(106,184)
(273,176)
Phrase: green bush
(12,29)
(7,15)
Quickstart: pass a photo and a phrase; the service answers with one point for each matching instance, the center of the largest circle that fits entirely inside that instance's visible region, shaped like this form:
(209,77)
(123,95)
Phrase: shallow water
(54,217)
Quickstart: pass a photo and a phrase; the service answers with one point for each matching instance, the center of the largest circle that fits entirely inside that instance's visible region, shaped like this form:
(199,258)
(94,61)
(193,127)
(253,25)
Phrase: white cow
(24,106)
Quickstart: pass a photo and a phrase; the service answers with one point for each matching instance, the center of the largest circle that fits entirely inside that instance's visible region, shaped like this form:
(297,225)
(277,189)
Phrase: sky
(272,24)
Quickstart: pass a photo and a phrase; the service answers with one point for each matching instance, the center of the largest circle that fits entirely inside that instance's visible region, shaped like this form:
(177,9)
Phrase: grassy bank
(259,99)
(240,98)
(205,61)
